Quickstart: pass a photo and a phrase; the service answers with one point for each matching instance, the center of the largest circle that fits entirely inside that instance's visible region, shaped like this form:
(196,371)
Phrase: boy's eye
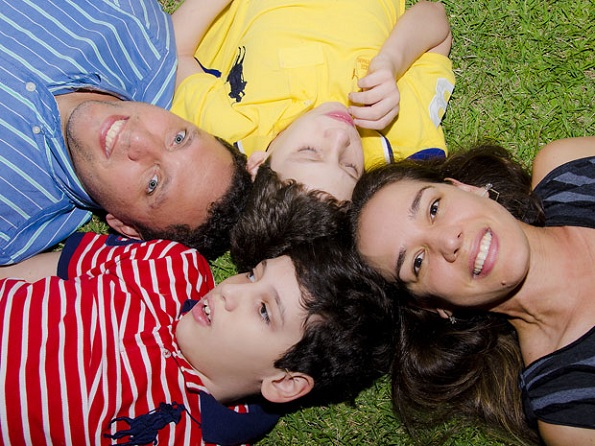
(434,209)
(264,313)
(180,137)
(152,185)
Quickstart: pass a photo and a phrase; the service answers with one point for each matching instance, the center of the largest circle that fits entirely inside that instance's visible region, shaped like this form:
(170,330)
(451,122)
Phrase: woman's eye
(417,263)
(153,183)
(250,275)
(264,313)
(434,208)
(180,137)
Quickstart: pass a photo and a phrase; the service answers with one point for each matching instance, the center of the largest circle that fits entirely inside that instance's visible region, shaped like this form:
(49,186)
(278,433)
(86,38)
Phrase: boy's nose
(338,140)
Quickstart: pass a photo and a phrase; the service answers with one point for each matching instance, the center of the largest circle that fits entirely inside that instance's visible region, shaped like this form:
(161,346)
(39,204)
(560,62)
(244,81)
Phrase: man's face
(143,164)
(239,329)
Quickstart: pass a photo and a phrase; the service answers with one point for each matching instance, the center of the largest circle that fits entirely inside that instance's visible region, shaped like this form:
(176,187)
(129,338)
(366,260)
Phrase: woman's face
(446,241)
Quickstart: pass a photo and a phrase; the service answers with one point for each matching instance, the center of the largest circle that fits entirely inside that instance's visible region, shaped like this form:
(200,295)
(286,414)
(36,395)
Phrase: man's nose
(142,144)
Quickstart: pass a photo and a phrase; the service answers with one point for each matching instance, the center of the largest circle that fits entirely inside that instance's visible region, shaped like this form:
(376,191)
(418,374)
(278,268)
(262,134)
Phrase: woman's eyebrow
(413,210)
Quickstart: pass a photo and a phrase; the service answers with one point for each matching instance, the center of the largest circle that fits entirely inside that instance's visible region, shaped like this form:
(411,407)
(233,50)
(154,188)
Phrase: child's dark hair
(279,214)
(348,338)
(349,331)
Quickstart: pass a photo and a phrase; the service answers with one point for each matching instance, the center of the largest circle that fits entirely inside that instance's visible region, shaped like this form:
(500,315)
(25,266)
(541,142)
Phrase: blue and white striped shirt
(51,47)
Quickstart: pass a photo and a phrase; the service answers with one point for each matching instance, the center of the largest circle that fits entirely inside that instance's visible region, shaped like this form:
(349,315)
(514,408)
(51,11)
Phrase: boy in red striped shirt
(132,343)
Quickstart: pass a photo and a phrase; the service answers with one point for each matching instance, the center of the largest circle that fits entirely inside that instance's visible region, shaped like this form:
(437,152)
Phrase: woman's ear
(254,162)
(122,228)
(481,191)
(444,314)
(285,386)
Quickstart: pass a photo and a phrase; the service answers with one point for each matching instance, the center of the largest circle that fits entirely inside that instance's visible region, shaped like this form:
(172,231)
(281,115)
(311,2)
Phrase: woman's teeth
(484,248)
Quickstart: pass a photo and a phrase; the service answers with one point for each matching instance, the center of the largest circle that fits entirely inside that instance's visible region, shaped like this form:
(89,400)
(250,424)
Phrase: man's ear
(119,226)
(481,191)
(285,386)
(254,162)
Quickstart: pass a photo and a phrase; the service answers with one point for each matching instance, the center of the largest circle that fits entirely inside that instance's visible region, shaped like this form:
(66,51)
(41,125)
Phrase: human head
(321,149)
(154,173)
(382,220)
(279,214)
(335,337)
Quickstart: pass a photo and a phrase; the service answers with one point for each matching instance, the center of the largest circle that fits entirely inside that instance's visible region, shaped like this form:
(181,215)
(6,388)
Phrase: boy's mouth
(206,309)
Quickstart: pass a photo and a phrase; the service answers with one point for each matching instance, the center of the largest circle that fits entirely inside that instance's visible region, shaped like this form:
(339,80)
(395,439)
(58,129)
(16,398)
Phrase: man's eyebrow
(413,210)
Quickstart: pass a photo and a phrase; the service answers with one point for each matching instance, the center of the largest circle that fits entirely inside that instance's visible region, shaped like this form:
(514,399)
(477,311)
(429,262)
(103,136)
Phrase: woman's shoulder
(560,152)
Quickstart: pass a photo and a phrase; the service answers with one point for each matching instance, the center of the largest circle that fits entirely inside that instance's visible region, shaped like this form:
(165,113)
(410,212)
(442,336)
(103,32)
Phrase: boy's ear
(254,162)
(119,226)
(285,386)
(481,191)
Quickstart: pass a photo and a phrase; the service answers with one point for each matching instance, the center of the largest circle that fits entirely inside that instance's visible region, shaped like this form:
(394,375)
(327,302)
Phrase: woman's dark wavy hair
(212,237)
(469,368)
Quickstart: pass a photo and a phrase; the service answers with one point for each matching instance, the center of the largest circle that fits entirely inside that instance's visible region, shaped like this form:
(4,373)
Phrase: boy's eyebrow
(413,210)
(276,296)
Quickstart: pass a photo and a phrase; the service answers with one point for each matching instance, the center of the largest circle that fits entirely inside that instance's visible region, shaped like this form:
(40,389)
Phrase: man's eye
(153,183)
(264,313)
(180,137)
(434,208)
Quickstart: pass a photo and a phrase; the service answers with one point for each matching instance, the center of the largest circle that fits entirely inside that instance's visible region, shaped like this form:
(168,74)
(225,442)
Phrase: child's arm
(422,28)
(191,21)
(34,268)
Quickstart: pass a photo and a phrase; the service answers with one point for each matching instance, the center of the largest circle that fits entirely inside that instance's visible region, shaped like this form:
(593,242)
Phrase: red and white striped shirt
(78,353)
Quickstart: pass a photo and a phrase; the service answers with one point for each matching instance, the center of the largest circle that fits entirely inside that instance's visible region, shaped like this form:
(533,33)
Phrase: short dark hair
(212,237)
(349,331)
(279,214)
(348,337)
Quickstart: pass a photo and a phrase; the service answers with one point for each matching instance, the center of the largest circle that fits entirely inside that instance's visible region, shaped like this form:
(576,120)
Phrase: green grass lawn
(525,76)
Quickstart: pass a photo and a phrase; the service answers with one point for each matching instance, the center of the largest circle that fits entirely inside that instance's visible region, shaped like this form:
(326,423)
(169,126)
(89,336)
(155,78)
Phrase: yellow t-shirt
(281,58)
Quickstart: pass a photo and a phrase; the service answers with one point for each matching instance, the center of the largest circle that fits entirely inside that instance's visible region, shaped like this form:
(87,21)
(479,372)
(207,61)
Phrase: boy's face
(239,329)
(321,149)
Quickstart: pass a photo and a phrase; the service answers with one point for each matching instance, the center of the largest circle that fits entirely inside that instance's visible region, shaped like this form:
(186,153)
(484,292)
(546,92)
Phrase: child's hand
(378,102)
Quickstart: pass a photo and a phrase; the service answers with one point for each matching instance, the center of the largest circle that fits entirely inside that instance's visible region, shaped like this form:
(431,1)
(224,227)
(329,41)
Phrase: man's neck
(69,101)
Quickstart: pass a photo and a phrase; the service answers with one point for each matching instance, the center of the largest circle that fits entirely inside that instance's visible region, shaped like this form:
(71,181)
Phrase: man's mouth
(484,248)
(112,134)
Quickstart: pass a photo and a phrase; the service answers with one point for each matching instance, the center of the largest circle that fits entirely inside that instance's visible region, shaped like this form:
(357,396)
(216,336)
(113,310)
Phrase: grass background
(525,76)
